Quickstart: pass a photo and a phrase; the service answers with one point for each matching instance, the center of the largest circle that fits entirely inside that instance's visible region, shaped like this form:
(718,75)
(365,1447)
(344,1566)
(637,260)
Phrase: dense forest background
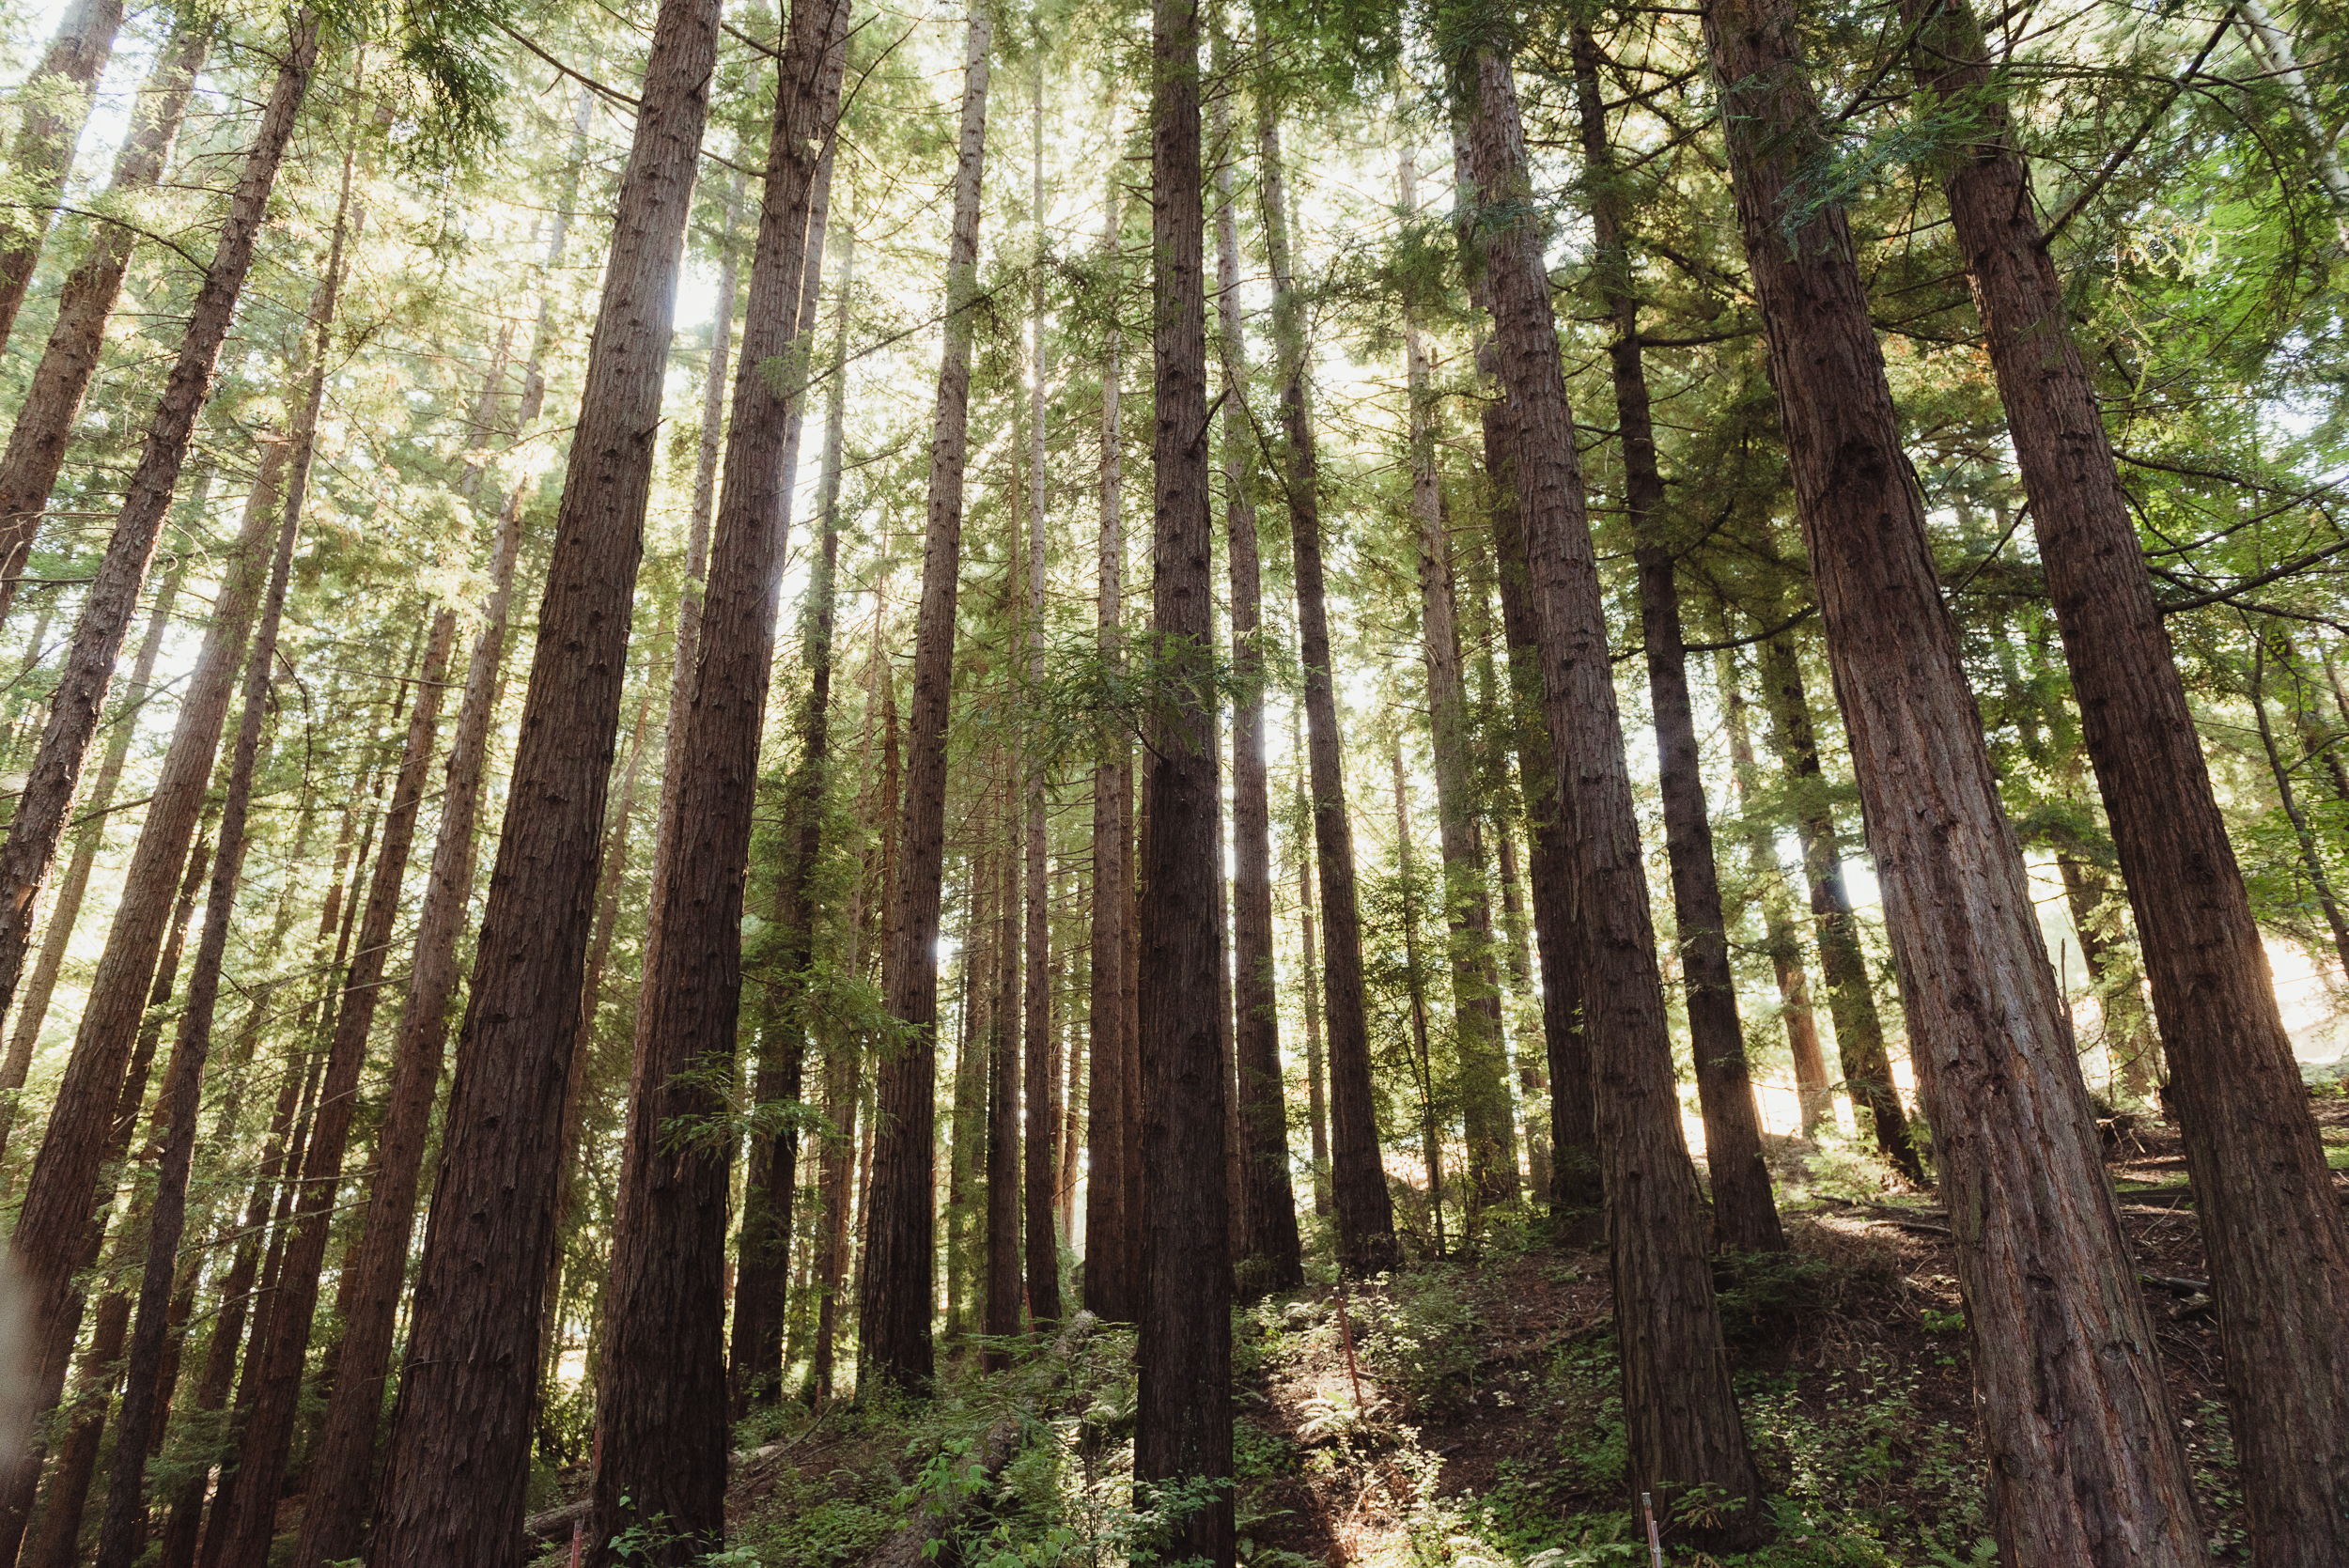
(1466,784)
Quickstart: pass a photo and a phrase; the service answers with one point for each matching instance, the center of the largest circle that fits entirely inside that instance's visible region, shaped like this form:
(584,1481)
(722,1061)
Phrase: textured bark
(2040,1255)
(1308,984)
(63,1189)
(1488,1117)
(33,1009)
(1365,1213)
(1269,1222)
(661,1396)
(67,1496)
(2278,1249)
(761,1293)
(120,1528)
(1744,1217)
(1814,1087)
(460,1451)
(1684,1427)
(999,1314)
(1183,1423)
(56,100)
(341,1470)
(1109,1260)
(52,399)
(1575,1192)
(900,1225)
(112,594)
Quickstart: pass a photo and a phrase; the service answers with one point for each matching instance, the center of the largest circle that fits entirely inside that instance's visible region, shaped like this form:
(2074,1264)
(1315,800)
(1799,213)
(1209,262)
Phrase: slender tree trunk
(1268,1224)
(2304,835)
(1309,986)
(900,1223)
(123,1524)
(2129,1043)
(113,595)
(1843,964)
(53,400)
(56,100)
(63,1189)
(2277,1245)
(1109,1262)
(1744,1217)
(2040,1254)
(661,1397)
(34,1010)
(1814,1089)
(1183,1427)
(1366,1214)
(967,1151)
(1415,989)
(1682,1414)
(999,1318)
(459,1450)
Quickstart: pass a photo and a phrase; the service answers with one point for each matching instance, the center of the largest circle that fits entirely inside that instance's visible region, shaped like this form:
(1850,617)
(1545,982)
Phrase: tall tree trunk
(2302,834)
(2277,1245)
(1576,1191)
(1268,1224)
(761,1293)
(56,100)
(2040,1255)
(1814,1089)
(120,1527)
(113,591)
(62,1190)
(459,1452)
(999,1317)
(33,1010)
(2129,1042)
(1487,1116)
(342,1468)
(900,1225)
(67,1496)
(1684,1427)
(1110,1231)
(1366,1214)
(1415,989)
(1842,962)
(52,399)
(1183,1425)
(661,1396)
(1744,1217)
(1309,986)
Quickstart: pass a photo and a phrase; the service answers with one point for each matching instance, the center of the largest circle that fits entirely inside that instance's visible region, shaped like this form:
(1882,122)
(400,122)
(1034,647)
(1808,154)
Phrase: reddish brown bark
(999,1058)
(56,103)
(52,399)
(900,1223)
(2277,1247)
(1183,1425)
(1684,1427)
(2040,1254)
(459,1452)
(1366,1214)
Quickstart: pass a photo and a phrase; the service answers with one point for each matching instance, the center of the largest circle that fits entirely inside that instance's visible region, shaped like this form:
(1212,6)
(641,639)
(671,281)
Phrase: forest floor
(1488,1430)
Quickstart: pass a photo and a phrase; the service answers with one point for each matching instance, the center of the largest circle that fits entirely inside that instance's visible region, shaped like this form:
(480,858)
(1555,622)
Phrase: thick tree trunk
(113,595)
(1183,1425)
(1744,1217)
(900,1225)
(2040,1254)
(52,399)
(1684,1427)
(56,100)
(1842,963)
(460,1453)
(661,1396)
(1814,1089)
(122,1525)
(1110,1262)
(1366,1214)
(1269,1223)
(2278,1247)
